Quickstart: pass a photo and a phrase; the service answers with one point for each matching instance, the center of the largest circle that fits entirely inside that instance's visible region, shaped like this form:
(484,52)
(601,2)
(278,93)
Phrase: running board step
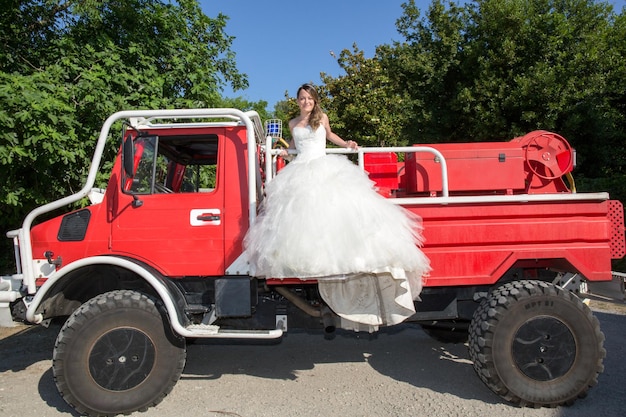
(211,331)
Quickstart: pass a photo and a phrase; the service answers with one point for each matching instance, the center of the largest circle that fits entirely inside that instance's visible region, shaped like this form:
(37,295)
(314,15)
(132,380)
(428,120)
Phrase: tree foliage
(492,70)
(66,65)
(365,102)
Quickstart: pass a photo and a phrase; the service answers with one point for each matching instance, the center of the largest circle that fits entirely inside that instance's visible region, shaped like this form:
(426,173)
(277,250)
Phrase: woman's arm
(334,138)
(292,143)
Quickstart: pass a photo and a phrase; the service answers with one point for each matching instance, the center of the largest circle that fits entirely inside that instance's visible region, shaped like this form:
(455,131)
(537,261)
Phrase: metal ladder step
(211,331)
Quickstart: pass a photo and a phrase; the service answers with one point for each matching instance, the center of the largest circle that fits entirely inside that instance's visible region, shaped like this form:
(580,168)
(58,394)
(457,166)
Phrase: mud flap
(233,297)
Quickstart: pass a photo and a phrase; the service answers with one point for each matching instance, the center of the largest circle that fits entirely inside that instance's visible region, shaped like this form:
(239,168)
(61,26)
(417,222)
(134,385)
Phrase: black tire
(447,331)
(535,344)
(116,354)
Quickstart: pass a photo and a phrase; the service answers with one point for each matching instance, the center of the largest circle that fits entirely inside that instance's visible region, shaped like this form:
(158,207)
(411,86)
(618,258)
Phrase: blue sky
(281,44)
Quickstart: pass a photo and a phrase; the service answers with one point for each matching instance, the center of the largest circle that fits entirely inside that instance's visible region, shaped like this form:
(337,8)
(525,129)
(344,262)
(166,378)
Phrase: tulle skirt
(322,219)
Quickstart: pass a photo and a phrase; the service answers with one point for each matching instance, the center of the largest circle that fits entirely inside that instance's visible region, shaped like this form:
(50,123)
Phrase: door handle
(208,217)
(205,217)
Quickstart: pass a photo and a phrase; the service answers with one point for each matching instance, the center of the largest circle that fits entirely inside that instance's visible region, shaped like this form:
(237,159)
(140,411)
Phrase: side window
(174,164)
(161,173)
(145,152)
(199,178)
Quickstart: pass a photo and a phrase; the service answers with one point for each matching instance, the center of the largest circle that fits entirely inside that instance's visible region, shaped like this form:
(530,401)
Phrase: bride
(322,219)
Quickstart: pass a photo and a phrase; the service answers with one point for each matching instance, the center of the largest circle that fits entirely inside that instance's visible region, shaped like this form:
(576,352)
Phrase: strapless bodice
(311,144)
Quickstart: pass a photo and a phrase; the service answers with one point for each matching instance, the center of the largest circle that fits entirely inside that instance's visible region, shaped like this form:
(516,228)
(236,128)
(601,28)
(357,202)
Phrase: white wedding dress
(322,219)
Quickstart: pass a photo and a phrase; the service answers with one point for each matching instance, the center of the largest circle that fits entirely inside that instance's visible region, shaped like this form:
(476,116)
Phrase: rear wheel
(116,354)
(535,344)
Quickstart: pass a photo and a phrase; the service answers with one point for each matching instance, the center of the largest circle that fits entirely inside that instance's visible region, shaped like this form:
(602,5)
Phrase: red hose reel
(547,155)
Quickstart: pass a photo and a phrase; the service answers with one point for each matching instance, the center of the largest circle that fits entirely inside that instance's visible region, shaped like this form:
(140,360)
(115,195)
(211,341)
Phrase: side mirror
(128,156)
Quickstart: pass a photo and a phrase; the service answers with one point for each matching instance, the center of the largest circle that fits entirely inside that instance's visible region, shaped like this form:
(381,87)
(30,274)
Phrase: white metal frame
(445,198)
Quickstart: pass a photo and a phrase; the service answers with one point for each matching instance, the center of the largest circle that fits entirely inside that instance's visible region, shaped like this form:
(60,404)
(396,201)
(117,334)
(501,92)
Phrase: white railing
(444,198)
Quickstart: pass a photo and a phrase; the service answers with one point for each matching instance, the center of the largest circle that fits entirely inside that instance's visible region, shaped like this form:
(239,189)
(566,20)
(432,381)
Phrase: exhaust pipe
(298,302)
(328,319)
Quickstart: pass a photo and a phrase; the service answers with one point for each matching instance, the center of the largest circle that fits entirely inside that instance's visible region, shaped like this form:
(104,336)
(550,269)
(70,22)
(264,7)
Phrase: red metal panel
(477,243)
(382,169)
(44,237)
(234,163)
(493,166)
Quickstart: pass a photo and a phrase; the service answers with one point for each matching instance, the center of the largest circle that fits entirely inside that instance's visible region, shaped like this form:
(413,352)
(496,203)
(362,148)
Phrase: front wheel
(535,344)
(116,354)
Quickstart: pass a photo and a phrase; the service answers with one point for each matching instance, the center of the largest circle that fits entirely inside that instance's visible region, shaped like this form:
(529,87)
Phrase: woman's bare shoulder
(293,122)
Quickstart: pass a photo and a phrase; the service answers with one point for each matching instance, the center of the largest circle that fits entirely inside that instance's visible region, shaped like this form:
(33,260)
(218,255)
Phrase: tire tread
(85,314)
(494,308)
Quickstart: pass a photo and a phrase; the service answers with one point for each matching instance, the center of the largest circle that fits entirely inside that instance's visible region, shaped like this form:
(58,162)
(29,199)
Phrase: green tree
(426,68)
(553,65)
(66,65)
(538,64)
(363,104)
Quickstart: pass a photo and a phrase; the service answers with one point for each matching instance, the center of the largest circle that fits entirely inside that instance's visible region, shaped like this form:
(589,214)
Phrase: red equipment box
(467,163)
(382,168)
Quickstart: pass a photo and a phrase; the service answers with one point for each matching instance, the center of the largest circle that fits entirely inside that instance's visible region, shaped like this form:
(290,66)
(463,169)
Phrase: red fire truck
(156,259)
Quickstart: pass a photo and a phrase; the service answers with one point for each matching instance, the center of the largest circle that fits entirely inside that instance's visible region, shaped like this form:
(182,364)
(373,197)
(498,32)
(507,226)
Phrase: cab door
(170,213)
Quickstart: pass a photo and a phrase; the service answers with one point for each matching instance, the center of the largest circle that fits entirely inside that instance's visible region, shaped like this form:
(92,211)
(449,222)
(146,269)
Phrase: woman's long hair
(315,119)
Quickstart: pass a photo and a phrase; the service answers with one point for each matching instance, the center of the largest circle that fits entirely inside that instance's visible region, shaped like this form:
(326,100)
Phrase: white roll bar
(142,117)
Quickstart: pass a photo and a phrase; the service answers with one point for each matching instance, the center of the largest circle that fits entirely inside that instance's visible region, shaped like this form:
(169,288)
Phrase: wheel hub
(121,359)
(544,348)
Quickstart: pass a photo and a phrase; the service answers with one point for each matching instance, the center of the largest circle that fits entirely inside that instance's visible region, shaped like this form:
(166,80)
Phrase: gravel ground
(398,372)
